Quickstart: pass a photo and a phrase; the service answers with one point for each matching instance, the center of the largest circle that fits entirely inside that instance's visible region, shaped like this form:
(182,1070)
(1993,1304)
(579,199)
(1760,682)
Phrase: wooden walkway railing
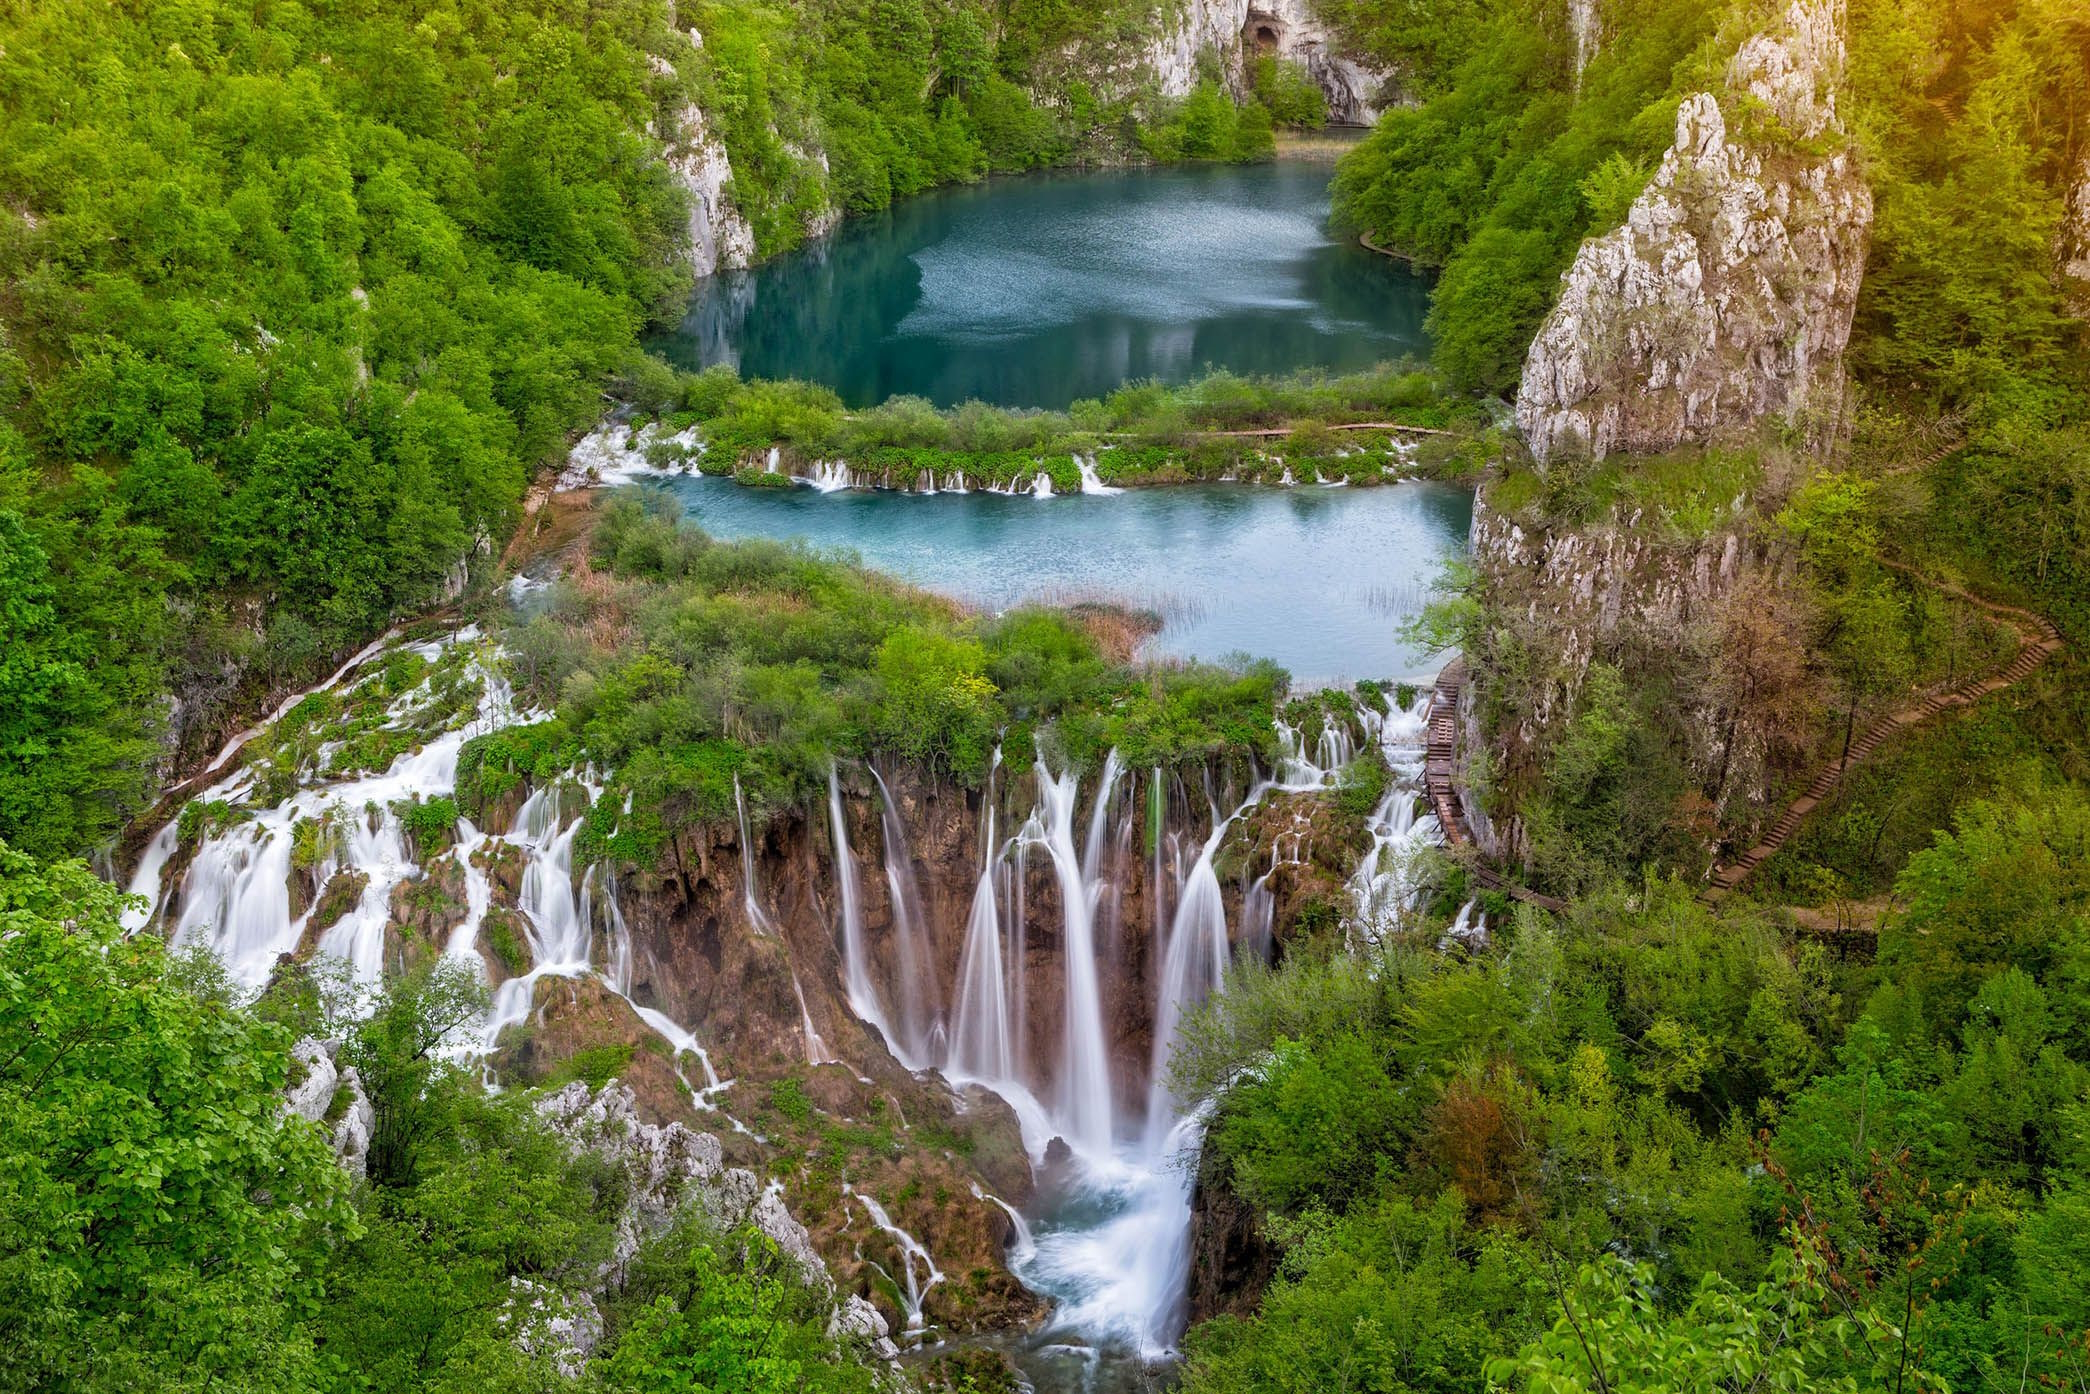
(1440,758)
(2039,641)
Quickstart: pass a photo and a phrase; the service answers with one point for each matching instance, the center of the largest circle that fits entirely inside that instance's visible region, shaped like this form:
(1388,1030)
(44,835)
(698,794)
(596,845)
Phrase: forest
(302,305)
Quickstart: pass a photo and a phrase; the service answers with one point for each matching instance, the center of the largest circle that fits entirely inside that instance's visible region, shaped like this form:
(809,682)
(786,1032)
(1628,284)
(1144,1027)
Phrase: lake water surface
(1318,579)
(1039,290)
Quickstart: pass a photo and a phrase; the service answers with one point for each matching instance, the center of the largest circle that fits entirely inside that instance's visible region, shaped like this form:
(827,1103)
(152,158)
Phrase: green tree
(162,1223)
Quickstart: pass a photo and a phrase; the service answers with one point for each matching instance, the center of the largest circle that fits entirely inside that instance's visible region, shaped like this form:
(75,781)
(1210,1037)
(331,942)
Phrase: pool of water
(1318,579)
(1039,290)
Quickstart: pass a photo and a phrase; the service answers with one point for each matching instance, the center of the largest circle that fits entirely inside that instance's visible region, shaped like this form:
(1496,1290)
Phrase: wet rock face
(1231,1263)
(2075,242)
(1727,297)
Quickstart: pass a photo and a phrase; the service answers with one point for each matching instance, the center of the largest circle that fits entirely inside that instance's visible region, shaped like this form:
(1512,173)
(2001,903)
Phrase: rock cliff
(2075,242)
(1727,296)
(1235,31)
(1706,616)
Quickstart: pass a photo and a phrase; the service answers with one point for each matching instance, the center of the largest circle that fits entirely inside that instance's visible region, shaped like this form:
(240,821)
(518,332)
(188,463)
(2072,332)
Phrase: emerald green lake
(1039,290)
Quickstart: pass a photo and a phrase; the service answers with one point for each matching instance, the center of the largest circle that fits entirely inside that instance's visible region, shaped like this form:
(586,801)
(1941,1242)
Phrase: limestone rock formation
(2075,242)
(332,1096)
(1727,296)
(719,237)
(566,1327)
(1238,30)
(668,1166)
(1707,615)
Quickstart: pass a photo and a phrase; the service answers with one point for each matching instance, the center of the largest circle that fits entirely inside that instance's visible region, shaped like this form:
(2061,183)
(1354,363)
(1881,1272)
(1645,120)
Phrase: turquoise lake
(1042,289)
(1318,579)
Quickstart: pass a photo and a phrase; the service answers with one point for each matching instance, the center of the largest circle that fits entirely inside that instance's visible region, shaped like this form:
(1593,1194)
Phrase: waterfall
(856,971)
(553,922)
(921,1003)
(749,904)
(829,476)
(1387,881)
(1041,485)
(1085,1108)
(982,1044)
(145,882)
(914,1285)
(235,892)
(1091,482)
(1191,969)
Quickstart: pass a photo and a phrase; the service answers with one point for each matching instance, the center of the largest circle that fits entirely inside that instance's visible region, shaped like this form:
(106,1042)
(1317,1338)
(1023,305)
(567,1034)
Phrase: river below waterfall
(1039,290)
(1315,578)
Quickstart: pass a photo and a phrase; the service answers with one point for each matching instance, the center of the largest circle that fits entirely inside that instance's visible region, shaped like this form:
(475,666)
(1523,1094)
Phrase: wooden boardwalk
(2040,641)
(1440,759)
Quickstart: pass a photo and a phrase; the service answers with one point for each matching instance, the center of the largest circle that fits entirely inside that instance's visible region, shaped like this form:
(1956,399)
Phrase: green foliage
(788,1097)
(1289,93)
(1420,1295)
(492,766)
(1612,1335)
(1423,1134)
(1206,125)
(314,291)
(399,1051)
(161,1218)
(1514,159)
(1315,1125)
(431,824)
(724,1311)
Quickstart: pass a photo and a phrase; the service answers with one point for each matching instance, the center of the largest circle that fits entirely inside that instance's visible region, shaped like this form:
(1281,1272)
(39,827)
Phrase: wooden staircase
(2040,641)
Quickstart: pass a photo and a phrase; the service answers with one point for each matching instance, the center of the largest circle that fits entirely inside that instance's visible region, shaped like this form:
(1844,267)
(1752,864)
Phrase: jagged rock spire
(1727,297)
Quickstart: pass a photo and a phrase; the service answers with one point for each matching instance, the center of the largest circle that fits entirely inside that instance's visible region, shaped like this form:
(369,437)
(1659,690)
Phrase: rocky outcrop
(1231,1262)
(666,1167)
(1710,620)
(332,1096)
(1235,31)
(1727,297)
(2074,242)
(563,1327)
(719,237)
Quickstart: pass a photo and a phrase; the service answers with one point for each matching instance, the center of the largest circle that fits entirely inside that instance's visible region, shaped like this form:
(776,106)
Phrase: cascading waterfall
(856,968)
(1388,879)
(921,1003)
(554,921)
(918,1271)
(1192,968)
(235,897)
(1091,482)
(1085,1111)
(1114,1252)
(983,1046)
(235,893)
